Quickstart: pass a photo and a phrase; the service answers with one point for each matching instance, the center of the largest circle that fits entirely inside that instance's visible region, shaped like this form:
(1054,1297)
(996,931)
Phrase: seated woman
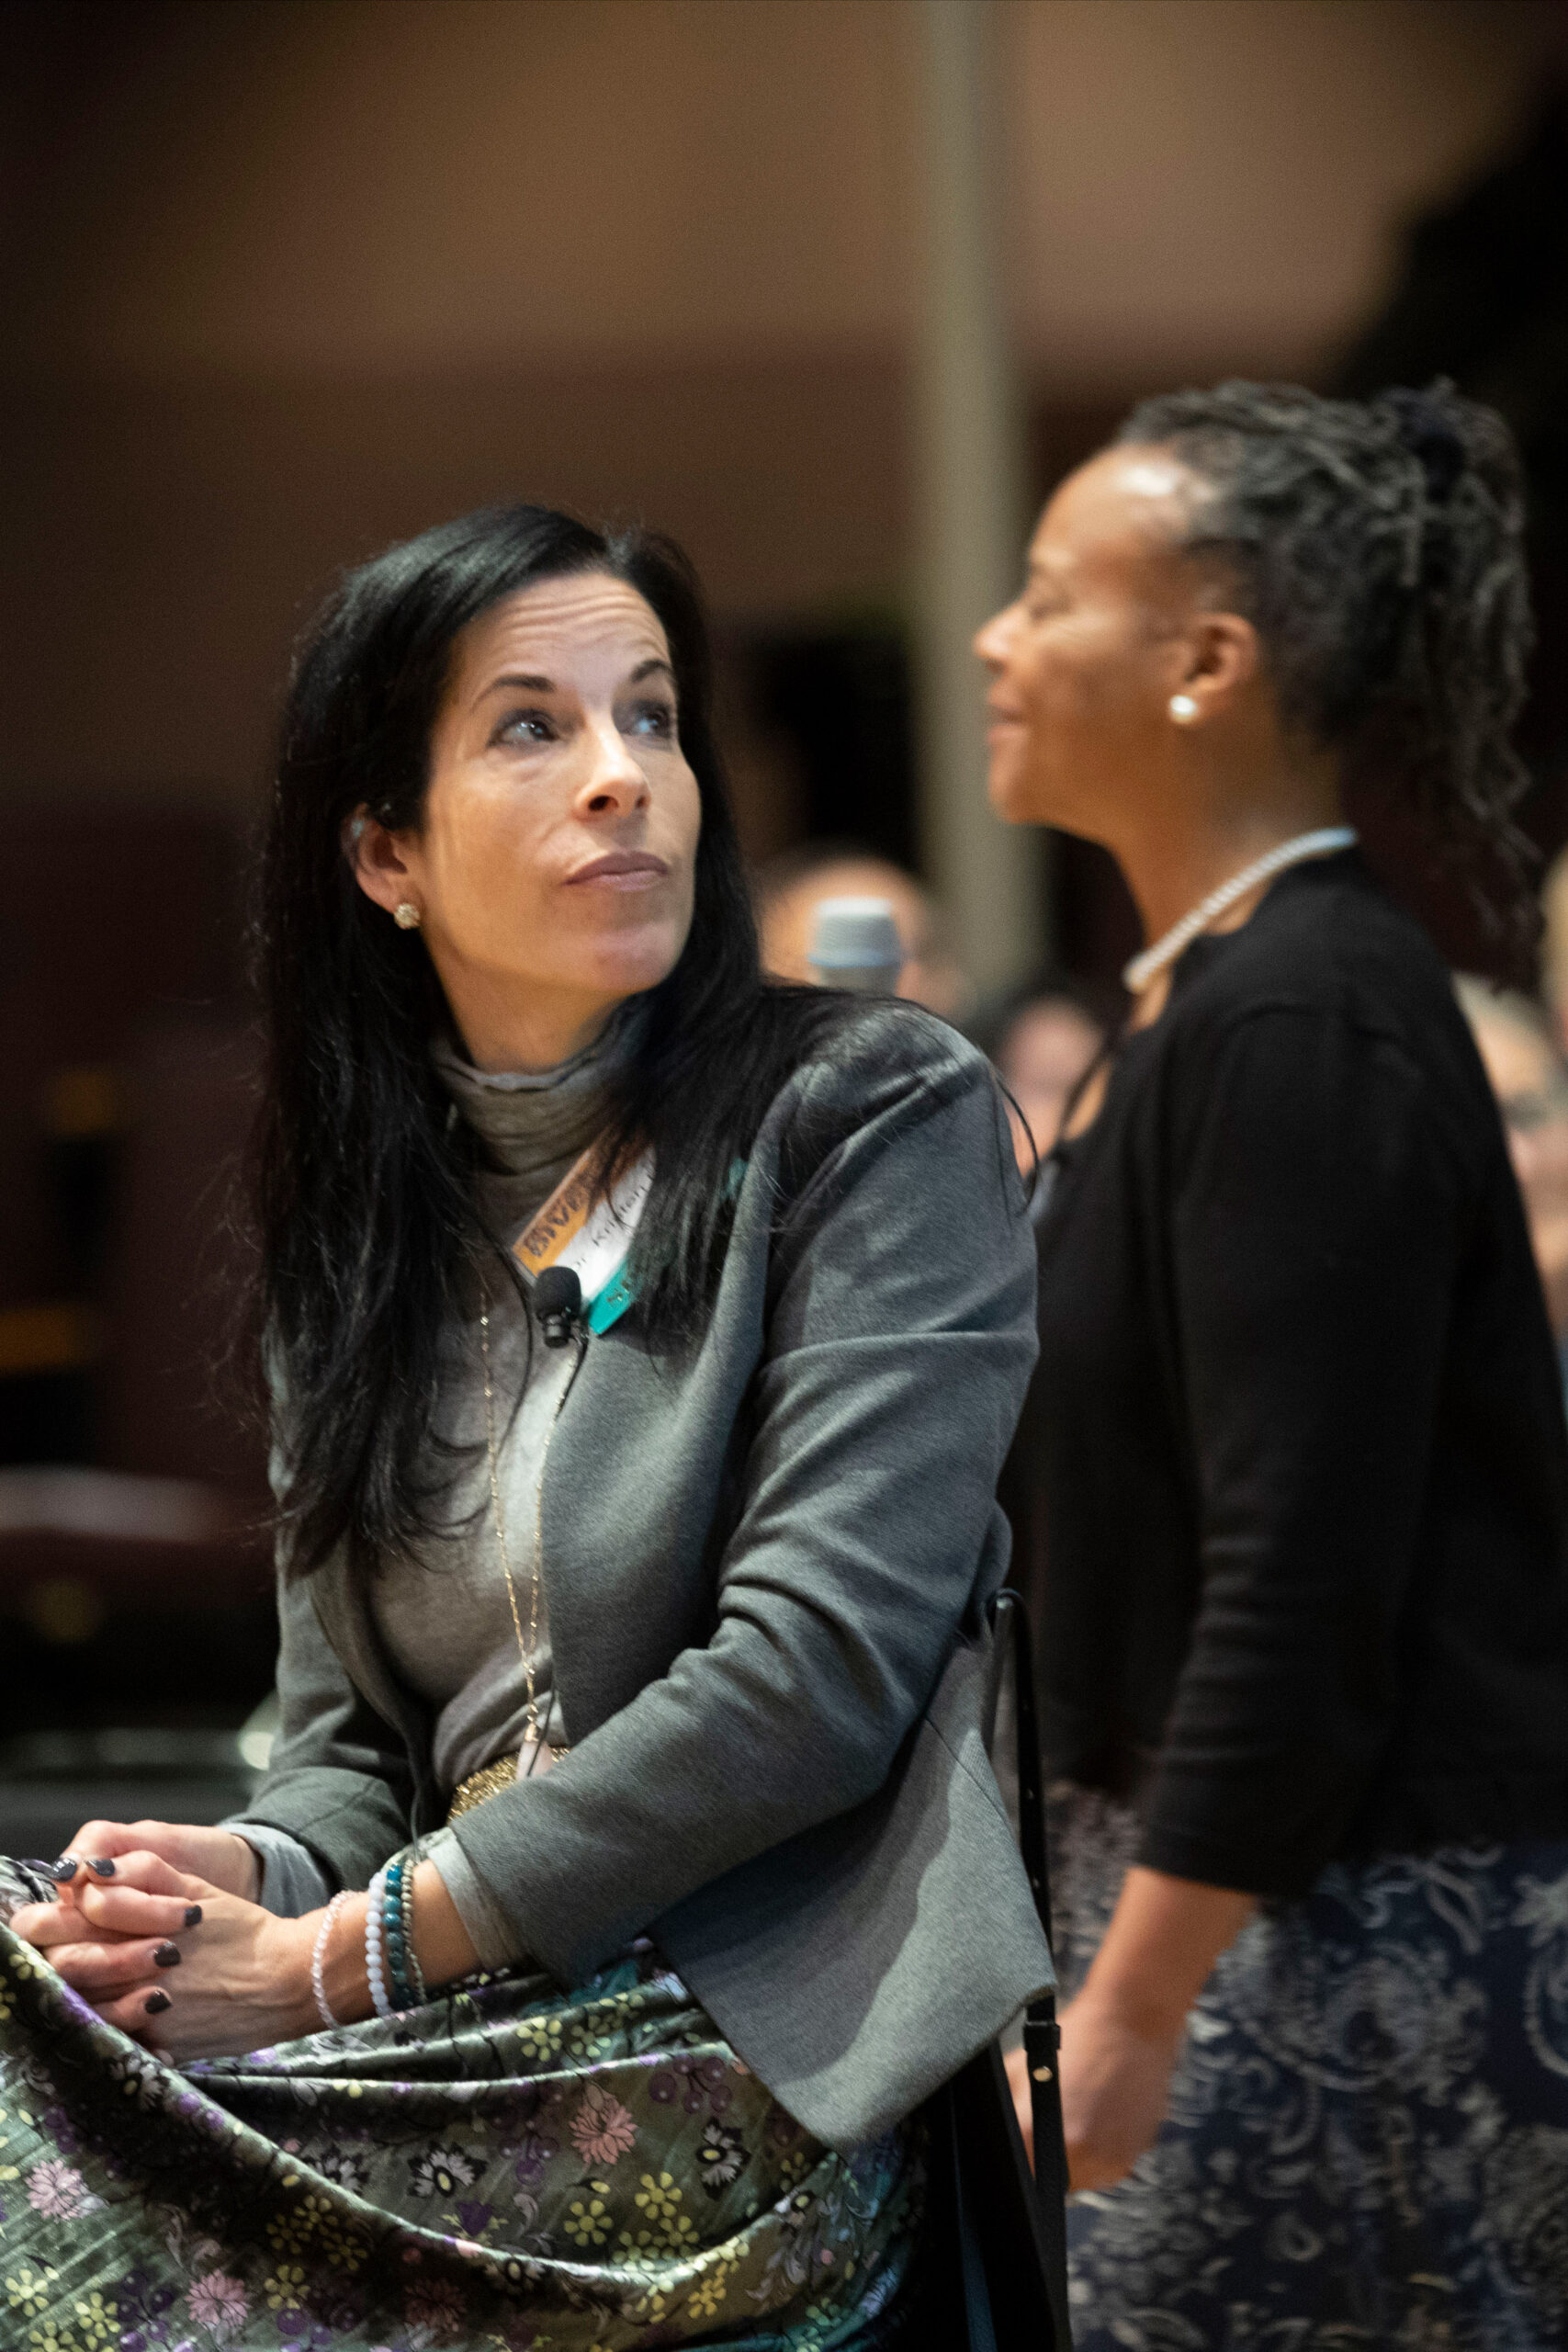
(646,1342)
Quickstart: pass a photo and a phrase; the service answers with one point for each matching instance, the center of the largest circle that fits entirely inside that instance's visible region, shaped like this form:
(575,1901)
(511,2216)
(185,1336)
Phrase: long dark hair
(364,1197)
(1378,548)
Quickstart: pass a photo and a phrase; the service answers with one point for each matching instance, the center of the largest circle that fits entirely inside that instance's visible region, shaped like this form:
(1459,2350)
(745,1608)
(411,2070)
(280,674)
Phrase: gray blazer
(766,1563)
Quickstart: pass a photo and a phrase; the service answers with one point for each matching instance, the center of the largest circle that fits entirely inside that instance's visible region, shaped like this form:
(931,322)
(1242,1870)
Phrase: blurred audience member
(791,887)
(1529,1077)
(1042,1039)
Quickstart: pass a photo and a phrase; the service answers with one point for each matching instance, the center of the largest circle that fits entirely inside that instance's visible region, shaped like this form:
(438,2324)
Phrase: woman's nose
(991,639)
(613,784)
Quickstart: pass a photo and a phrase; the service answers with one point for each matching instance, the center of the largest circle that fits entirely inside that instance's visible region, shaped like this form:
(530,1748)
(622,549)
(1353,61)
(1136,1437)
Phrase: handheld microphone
(557,1298)
(856,945)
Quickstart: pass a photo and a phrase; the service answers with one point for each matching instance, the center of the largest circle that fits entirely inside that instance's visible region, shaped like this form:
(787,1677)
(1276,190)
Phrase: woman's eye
(655,719)
(526,727)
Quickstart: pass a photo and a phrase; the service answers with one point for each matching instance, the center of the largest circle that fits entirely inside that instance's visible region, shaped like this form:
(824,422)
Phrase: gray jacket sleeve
(900,1340)
(339,1780)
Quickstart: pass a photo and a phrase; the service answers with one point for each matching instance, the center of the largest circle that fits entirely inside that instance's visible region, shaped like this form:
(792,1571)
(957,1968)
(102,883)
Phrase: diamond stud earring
(1183,709)
(406,915)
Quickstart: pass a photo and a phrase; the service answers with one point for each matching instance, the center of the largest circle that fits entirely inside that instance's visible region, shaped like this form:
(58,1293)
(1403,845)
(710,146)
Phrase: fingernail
(193,1915)
(59,1872)
(166,1956)
(104,1867)
(157,2003)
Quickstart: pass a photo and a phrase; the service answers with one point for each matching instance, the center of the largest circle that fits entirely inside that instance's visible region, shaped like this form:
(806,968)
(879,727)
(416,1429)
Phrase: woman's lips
(622,869)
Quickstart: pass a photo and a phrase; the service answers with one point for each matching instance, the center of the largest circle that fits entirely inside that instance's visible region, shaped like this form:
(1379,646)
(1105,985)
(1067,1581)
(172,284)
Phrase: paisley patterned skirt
(511,2166)
(1368,2137)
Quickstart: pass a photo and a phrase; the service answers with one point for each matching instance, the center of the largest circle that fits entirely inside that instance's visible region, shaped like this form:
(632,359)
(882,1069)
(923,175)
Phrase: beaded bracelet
(411,1958)
(318,1960)
(406,1978)
(373,1969)
(399,1983)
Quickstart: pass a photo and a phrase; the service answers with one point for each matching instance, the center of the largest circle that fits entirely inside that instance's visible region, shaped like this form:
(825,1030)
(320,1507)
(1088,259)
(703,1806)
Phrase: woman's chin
(626,967)
(1010,790)
(1019,794)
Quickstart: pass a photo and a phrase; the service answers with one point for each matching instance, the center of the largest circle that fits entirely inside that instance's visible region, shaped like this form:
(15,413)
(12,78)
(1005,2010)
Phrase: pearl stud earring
(1183,709)
(406,915)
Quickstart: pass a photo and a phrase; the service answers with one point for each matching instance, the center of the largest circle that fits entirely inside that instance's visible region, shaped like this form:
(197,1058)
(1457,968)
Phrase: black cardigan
(1296,1433)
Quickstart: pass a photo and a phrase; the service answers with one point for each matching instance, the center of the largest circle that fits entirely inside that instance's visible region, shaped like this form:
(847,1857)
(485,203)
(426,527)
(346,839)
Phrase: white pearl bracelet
(373,1967)
(318,1960)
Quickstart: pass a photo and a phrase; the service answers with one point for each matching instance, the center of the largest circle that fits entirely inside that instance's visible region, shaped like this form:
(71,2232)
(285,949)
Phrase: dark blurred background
(283,280)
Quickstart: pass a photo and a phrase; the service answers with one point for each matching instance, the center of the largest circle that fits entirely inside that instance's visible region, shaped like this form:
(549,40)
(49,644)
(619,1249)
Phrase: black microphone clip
(557,1300)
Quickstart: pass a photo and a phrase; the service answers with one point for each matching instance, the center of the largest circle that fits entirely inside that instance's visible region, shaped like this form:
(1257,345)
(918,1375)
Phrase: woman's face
(1084,662)
(554,861)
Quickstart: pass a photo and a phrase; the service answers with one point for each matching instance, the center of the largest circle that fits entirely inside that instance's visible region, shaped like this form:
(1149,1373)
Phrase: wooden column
(971,491)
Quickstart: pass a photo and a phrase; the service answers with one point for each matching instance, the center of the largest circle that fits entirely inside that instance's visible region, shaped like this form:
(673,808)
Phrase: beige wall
(165,540)
(433,186)
(285,279)
(1199,183)
(386,186)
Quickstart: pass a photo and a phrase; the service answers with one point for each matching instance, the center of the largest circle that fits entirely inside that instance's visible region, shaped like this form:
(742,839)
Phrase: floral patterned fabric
(1368,2138)
(509,2167)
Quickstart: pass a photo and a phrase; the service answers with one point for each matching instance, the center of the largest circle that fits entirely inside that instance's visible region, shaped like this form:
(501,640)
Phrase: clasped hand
(155,1927)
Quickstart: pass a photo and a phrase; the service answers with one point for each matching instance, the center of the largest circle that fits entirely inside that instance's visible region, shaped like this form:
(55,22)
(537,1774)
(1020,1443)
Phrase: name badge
(590,1236)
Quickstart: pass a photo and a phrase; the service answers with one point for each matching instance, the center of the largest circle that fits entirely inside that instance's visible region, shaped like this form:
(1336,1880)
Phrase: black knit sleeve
(1314,1235)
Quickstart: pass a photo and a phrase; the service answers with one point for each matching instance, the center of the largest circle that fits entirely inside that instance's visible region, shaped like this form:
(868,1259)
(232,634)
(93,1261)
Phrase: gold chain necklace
(526,1650)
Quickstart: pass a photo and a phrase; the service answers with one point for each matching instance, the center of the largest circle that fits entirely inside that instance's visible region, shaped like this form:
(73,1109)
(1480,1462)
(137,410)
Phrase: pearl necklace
(1137,974)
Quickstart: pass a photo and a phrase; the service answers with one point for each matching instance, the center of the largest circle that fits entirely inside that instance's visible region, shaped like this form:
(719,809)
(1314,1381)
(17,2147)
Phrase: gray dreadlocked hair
(1377,547)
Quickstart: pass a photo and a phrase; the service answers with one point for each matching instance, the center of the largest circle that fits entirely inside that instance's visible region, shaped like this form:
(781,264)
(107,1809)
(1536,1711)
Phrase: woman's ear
(378,867)
(1222,658)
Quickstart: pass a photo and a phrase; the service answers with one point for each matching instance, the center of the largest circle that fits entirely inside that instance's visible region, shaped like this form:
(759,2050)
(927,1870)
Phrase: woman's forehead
(585,615)
(1127,501)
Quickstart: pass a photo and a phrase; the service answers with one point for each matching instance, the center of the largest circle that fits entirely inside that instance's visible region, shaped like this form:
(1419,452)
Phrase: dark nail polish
(166,1956)
(193,1915)
(65,1868)
(157,2003)
(104,1867)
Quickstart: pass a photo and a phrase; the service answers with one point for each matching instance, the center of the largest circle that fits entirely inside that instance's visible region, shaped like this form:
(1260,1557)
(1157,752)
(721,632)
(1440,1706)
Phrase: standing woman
(652,1612)
(1302,1459)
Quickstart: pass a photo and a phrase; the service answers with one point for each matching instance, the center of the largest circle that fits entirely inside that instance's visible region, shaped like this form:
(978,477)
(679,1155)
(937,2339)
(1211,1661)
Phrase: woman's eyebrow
(516,680)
